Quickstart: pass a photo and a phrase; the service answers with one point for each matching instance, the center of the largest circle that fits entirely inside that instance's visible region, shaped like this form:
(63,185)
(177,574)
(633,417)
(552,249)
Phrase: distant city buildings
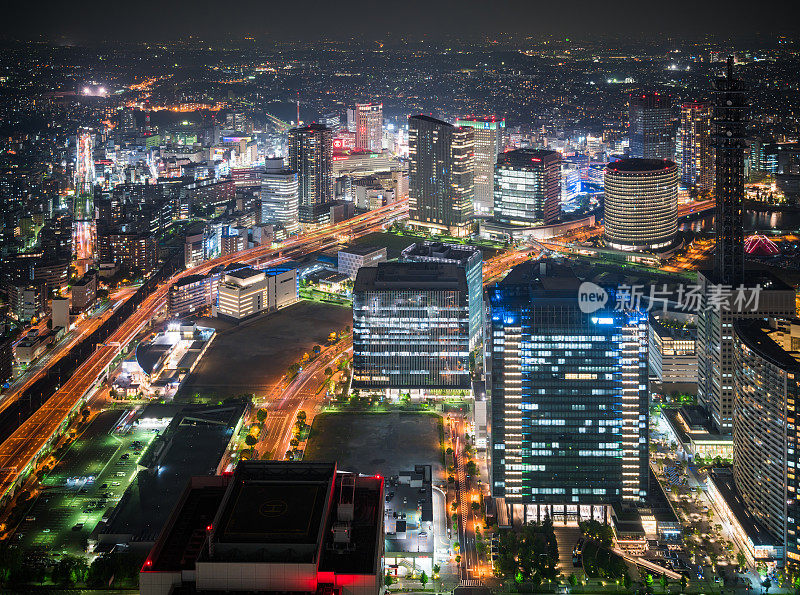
(569,397)
(441,175)
(310,155)
(411,328)
(488,143)
(650,127)
(641,204)
(369,126)
(527,187)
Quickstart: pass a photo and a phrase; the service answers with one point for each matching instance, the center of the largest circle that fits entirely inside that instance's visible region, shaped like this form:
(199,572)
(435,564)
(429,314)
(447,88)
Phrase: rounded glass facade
(641,204)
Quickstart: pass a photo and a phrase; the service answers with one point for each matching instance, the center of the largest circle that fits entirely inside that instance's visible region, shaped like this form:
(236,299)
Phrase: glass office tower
(650,128)
(527,187)
(411,327)
(569,395)
(470,259)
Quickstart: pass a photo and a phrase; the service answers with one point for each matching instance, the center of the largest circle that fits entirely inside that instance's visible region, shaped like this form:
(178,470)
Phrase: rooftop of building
(637,165)
(255,504)
(411,275)
(313,127)
(430,120)
(657,502)
(440,251)
(244,273)
(193,444)
(275,504)
(761,338)
(362,249)
(188,280)
(528,157)
(665,327)
(547,275)
(758,534)
(183,537)
(691,423)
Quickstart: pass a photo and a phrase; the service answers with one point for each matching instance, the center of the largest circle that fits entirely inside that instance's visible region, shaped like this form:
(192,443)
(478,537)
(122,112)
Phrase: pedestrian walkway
(566,537)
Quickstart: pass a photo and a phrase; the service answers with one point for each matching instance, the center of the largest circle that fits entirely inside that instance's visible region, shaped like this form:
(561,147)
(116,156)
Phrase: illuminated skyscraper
(470,259)
(569,396)
(441,175)
(279,198)
(641,204)
(731,115)
(488,143)
(695,154)
(369,126)
(765,438)
(84,231)
(311,156)
(650,126)
(527,187)
(411,327)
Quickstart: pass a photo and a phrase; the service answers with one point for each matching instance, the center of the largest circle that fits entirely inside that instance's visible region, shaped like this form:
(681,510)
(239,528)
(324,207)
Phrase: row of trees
(529,553)
(20,567)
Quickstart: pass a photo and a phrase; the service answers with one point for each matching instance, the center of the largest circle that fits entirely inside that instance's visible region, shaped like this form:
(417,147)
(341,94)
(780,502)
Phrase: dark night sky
(131,20)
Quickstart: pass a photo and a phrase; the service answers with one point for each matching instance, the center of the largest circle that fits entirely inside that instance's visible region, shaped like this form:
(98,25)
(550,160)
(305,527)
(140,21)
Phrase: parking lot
(86,484)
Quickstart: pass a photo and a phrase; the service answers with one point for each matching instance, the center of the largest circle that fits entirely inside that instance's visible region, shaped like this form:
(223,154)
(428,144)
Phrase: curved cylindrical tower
(641,204)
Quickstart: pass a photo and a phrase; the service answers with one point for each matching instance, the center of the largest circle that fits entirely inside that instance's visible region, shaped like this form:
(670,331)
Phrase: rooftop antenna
(298,109)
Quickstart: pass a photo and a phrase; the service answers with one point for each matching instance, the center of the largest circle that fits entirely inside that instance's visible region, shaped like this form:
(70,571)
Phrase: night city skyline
(369,298)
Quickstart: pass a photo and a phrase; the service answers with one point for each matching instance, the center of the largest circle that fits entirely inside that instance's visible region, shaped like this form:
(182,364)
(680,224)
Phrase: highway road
(41,367)
(19,452)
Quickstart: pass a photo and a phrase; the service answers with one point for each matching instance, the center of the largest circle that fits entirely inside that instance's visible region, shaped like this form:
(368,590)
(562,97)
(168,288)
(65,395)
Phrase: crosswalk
(470,582)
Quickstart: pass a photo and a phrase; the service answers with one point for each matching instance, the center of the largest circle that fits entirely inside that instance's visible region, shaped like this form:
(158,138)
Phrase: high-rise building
(527,187)
(441,175)
(569,396)
(84,236)
(488,143)
(650,126)
(279,202)
(411,327)
(695,155)
(470,259)
(311,156)
(641,204)
(765,438)
(731,115)
(369,126)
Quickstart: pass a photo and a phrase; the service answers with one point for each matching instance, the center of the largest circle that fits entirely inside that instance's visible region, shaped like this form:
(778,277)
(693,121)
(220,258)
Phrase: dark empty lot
(382,443)
(252,357)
